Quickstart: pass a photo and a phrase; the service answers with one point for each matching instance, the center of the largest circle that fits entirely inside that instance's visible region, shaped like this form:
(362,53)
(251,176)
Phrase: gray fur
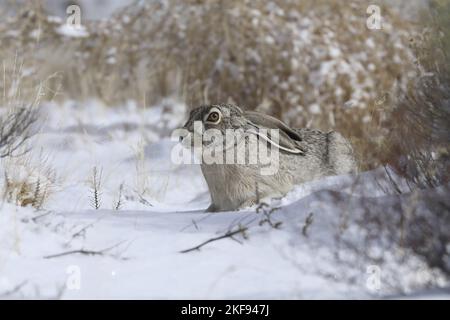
(234,186)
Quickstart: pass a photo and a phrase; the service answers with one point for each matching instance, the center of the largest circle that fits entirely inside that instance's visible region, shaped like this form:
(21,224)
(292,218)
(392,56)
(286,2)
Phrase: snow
(90,10)
(72,30)
(161,214)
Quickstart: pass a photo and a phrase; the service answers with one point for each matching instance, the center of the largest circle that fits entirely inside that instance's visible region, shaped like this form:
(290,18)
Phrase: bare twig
(84,251)
(195,223)
(308,221)
(96,185)
(82,230)
(118,204)
(41,216)
(15,130)
(144,201)
(60,292)
(392,181)
(228,234)
(267,212)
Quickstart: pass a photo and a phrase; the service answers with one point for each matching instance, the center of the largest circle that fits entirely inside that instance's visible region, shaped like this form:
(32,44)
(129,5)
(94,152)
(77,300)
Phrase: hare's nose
(183,135)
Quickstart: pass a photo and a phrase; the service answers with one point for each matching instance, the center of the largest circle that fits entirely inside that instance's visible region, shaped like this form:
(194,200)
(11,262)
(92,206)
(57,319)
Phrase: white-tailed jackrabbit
(302,155)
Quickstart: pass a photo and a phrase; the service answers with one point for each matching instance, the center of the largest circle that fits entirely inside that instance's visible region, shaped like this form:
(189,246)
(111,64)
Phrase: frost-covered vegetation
(86,179)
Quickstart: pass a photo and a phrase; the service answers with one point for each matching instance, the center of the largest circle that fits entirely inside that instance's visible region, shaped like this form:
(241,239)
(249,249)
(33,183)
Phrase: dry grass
(27,182)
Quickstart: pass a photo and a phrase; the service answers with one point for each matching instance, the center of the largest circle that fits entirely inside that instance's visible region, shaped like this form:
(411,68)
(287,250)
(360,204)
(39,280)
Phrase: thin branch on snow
(195,223)
(308,221)
(229,234)
(41,216)
(83,230)
(84,251)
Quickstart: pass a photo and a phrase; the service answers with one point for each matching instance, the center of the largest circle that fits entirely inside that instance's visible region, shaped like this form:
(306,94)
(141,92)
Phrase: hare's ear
(289,139)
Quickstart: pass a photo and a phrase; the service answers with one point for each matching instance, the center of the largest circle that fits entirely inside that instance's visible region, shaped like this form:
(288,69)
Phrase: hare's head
(218,118)
(215,119)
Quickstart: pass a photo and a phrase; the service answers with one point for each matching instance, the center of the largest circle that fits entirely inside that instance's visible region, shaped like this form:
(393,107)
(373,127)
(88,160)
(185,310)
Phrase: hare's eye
(213,117)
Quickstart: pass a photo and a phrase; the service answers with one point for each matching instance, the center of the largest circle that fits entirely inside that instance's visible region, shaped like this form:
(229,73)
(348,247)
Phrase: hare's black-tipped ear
(289,139)
(269,122)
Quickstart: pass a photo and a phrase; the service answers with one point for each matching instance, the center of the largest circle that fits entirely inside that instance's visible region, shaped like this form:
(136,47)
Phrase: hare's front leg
(211,208)
(247,203)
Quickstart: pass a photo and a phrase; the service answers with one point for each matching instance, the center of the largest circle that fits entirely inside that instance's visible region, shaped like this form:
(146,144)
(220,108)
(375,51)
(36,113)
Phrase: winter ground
(133,251)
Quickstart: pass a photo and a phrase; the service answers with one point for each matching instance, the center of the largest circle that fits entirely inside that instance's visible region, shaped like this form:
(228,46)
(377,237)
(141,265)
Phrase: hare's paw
(211,208)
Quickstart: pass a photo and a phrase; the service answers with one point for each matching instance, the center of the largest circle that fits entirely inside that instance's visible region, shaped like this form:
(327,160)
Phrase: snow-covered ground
(151,209)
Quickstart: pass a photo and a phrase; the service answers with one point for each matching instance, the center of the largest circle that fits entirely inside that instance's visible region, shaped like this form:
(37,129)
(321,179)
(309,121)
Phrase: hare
(302,155)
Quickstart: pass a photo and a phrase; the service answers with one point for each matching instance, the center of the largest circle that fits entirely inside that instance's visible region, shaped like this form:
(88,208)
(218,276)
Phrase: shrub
(418,147)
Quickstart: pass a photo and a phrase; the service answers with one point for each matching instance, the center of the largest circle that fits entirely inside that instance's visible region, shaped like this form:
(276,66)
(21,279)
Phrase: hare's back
(312,136)
(332,148)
